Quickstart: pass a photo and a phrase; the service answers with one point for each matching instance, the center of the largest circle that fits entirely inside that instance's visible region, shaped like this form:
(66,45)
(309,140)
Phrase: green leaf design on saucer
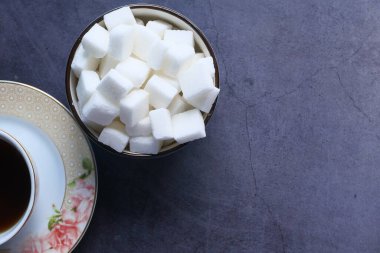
(88,166)
(54,219)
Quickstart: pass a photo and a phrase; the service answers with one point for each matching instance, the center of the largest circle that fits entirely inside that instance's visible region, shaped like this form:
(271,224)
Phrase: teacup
(17,199)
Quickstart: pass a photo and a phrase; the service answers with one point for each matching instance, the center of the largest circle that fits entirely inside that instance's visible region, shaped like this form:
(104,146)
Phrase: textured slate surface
(291,162)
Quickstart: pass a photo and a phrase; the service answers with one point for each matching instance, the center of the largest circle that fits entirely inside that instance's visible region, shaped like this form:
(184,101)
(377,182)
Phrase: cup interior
(12,231)
(144,12)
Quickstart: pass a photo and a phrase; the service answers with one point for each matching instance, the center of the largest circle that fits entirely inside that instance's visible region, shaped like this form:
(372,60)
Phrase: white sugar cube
(208,63)
(123,15)
(179,37)
(157,54)
(145,145)
(195,82)
(114,136)
(114,86)
(142,128)
(87,84)
(174,82)
(100,110)
(90,124)
(121,42)
(197,57)
(205,101)
(106,64)
(134,107)
(178,105)
(161,122)
(144,41)
(96,41)
(161,93)
(177,57)
(93,126)
(139,21)
(188,126)
(83,61)
(135,70)
(159,27)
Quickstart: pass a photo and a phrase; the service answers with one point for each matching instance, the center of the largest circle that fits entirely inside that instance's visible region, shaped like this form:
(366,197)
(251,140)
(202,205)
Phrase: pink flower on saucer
(66,232)
(82,201)
(66,225)
(37,245)
(63,236)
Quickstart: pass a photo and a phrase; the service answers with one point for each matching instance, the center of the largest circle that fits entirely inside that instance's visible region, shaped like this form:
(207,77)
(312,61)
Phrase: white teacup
(12,231)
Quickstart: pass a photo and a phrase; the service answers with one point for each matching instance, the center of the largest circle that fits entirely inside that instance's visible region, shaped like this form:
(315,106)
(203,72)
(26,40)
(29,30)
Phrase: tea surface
(15,186)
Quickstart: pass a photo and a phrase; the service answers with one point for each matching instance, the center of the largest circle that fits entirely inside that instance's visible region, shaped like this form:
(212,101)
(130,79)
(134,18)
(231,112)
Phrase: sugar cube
(179,37)
(135,70)
(114,86)
(114,136)
(145,145)
(96,41)
(100,110)
(161,93)
(142,128)
(144,41)
(178,105)
(121,42)
(90,124)
(139,21)
(83,61)
(157,53)
(123,15)
(188,126)
(134,107)
(208,63)
(177,57)
(205,101)
(197,57)
(87,84)
(106,64)
(161,122)
(195,82)
(174,82)
(159,27)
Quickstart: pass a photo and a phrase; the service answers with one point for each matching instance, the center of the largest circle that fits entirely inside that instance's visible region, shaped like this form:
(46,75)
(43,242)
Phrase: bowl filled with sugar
(142,81)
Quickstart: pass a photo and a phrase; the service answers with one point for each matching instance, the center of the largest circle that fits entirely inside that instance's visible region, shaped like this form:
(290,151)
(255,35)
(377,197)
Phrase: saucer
(64,164)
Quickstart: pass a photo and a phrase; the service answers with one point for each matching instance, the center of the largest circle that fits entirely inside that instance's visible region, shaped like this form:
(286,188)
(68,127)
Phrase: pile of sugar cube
(142,86)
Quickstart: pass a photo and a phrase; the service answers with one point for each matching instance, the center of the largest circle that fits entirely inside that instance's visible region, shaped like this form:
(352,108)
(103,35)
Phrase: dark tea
(15,186)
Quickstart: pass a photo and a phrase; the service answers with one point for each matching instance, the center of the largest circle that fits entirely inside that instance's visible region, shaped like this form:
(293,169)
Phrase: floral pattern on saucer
(66,225)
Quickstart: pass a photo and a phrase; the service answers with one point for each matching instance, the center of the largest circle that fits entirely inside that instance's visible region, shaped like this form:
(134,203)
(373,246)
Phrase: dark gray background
(292,158)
